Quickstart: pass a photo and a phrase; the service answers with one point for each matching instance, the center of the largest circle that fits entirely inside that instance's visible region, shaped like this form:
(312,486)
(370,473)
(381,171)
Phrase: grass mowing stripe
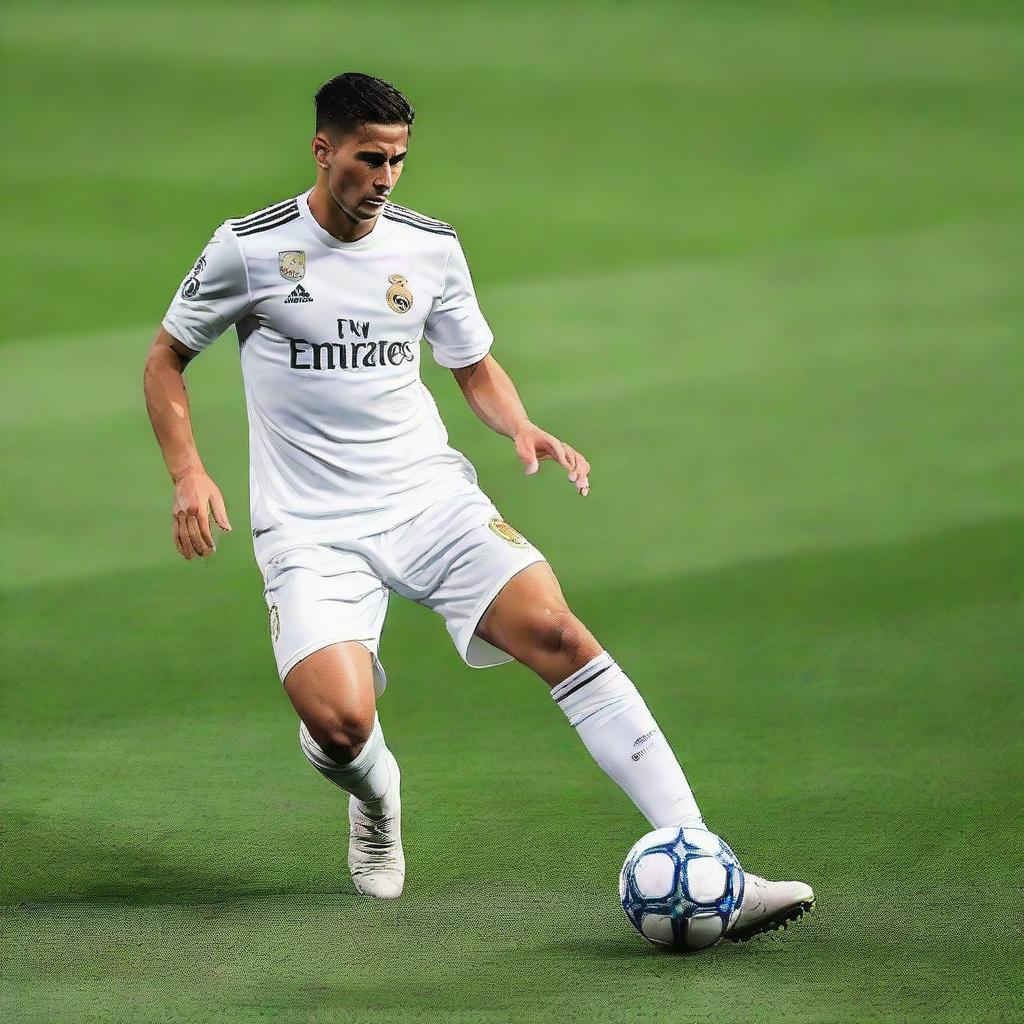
(694,382)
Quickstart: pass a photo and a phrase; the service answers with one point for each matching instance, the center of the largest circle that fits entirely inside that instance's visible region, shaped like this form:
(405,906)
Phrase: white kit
(453,558)
(345,441)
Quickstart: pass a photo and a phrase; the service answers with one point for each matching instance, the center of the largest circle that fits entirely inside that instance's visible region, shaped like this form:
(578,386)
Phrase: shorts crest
(506,532)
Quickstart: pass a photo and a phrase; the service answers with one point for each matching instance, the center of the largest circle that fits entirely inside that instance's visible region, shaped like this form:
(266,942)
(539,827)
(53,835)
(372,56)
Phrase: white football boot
(375,857)
(768,906)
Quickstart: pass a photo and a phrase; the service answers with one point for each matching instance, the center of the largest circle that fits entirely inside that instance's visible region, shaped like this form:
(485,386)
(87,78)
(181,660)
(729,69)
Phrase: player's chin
(368,209)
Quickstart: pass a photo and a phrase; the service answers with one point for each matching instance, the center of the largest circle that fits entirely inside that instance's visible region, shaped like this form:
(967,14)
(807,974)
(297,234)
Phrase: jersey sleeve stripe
(391,215)
(413,215)
(283,218)
(262,215)
(273,208)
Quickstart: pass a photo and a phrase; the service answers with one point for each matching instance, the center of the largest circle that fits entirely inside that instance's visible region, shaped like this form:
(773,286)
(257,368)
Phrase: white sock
(604,707)
(367,778)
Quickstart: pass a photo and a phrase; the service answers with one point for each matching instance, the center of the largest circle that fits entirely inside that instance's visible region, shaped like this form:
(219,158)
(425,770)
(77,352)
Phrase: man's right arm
(213,296)
(195,494)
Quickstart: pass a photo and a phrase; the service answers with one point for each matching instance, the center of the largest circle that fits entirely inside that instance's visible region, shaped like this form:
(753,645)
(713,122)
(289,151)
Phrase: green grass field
(763,265)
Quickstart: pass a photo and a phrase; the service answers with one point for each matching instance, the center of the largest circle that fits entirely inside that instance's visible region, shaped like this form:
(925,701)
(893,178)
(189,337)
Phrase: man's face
(363,167)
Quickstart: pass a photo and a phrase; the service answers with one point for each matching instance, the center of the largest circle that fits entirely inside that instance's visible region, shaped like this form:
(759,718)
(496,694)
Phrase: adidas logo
(299,294)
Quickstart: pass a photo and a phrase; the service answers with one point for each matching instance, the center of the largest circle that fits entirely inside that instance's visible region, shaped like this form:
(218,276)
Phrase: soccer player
(355,492)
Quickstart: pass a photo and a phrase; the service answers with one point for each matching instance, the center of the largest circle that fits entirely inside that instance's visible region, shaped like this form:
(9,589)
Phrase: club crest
(399,297)
(506,532)
(292,264)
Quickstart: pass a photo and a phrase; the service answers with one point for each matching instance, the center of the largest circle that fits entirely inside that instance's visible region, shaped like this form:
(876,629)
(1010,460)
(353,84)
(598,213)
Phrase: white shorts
(454,558)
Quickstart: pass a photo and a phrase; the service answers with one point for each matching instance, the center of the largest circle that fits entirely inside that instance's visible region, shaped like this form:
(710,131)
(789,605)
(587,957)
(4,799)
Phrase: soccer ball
(681,887)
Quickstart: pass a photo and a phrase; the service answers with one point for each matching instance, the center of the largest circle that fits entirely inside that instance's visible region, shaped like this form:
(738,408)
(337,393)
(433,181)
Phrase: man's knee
(554,628)
(332,692)
(341,735)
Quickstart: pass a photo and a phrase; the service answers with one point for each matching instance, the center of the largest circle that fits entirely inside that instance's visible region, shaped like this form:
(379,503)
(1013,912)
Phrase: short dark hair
(351,99)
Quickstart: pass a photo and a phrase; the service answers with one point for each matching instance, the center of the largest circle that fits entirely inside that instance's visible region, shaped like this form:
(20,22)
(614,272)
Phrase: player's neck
(334,220)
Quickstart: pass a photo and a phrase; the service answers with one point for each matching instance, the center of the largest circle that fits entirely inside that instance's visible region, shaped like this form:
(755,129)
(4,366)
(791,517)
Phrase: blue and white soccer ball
(681,888)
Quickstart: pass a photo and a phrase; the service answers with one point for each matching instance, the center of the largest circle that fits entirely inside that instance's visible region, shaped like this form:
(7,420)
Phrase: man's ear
(322,151)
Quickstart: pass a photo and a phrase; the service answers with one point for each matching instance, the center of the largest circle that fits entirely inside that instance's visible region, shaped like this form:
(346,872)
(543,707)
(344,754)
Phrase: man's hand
(195,495)
(534,444)
(493,397)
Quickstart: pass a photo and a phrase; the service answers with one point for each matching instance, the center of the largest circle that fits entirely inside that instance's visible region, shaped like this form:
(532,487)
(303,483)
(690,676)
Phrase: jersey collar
(368,241)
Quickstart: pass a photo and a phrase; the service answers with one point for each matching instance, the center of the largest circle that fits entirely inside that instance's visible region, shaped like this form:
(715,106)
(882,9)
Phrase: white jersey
(344,438)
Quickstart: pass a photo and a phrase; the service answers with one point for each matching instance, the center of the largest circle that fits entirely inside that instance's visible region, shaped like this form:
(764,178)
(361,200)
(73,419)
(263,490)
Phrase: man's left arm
(493,397)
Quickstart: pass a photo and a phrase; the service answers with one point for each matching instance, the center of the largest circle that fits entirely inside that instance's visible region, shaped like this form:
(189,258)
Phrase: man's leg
(332,692)
(530,620)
